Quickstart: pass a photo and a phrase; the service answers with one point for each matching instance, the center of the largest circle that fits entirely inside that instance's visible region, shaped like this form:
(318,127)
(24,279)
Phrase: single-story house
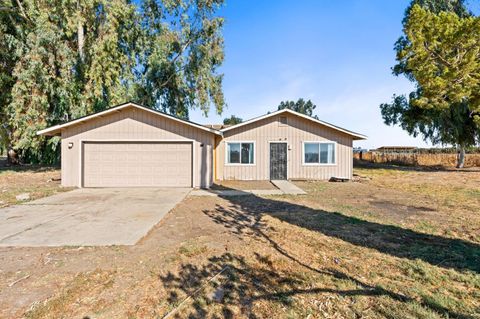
(130,145)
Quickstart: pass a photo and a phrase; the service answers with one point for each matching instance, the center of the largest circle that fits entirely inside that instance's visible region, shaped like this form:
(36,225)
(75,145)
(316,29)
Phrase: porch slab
(283,188)
(211,192)
(288,188)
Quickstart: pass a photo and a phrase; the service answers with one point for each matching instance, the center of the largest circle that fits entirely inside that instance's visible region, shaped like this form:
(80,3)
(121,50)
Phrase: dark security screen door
(278,161)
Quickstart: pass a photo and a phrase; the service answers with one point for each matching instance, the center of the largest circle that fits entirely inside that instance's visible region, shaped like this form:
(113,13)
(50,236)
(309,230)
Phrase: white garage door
(137,164)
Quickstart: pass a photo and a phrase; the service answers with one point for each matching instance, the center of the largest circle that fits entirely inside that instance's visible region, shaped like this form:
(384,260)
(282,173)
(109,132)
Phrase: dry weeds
(36,181)
(388,247)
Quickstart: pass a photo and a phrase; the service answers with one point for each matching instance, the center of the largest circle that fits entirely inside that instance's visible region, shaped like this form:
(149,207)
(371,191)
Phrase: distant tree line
(232,120)
(300,106)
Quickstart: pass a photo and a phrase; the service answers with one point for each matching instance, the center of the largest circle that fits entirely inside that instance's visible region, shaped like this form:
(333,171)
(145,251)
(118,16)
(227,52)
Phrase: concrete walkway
(288,187)
(284,188)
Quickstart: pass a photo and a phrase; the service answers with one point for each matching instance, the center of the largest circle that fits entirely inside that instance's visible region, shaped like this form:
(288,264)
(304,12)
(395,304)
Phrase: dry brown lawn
(36,181)
(398,244)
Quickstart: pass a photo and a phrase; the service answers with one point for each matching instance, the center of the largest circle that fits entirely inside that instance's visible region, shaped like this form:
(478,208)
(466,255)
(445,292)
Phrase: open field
(399,244)
(38,182)
(419,159)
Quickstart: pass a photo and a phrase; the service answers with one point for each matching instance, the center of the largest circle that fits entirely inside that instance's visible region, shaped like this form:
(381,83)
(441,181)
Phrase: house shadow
(234,278)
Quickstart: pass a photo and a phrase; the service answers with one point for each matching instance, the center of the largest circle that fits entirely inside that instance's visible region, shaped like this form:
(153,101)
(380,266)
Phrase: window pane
(233,152)
(327,153)
(331,153)
(247,153)
(324,153)
(311,153)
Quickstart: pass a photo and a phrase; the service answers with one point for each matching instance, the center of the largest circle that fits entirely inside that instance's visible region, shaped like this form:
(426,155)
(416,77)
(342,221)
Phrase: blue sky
(339,54)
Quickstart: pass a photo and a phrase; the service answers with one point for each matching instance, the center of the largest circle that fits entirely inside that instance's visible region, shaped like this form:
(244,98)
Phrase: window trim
(241,164)
(335,162)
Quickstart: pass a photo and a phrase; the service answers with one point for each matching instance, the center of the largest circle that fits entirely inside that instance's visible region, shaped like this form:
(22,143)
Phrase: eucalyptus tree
(181,49)
(9,19)
(232,120)
(65,59)
(440,53)
(301,106)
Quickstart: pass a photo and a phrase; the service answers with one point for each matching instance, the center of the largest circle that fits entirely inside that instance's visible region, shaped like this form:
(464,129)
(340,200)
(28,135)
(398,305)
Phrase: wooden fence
(418,159)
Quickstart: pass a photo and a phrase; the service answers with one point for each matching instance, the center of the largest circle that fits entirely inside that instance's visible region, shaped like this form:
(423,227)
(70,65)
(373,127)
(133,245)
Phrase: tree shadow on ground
(388,239)
(243,217)
(237,285)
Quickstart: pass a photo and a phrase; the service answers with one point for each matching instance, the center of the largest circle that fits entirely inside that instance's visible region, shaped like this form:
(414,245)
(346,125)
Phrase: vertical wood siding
(294,133)
(135,124)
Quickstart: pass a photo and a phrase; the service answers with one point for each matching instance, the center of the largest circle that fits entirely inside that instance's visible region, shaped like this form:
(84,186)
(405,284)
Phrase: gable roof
(56,129)
(356,136)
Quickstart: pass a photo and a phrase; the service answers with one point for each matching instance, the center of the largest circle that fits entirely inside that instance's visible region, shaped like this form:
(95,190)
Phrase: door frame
(270,161)
(109,141)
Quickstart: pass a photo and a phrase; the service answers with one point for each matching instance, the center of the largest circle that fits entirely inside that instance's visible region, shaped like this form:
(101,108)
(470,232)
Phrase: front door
(278,161)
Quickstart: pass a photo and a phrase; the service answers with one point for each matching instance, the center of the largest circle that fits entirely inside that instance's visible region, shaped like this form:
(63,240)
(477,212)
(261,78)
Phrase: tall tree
(53,80)
(9,19)
(439,52)
(69,58)
(181,49)
(42,77)
(232,120)
(301,106)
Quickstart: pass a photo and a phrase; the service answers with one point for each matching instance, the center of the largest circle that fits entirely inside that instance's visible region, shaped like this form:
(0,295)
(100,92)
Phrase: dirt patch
(243,185)
(38,182)
(410,209)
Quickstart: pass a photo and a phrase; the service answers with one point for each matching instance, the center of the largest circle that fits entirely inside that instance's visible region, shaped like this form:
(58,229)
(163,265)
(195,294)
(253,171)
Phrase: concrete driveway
(88,217)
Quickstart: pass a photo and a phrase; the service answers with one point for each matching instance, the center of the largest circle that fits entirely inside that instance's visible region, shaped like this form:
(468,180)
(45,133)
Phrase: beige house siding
(195,154)
(297,131)
(133,124)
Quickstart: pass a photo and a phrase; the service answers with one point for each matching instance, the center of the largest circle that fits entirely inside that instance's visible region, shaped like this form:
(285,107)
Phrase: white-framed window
(240,153)
(319,153)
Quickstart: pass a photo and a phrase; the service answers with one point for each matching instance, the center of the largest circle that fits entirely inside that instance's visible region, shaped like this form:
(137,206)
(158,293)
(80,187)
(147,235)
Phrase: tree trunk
(12,157)
(461,157)
(80,35)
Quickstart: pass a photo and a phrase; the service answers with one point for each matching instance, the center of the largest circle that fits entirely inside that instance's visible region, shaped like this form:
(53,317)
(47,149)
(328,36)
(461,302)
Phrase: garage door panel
(139,164)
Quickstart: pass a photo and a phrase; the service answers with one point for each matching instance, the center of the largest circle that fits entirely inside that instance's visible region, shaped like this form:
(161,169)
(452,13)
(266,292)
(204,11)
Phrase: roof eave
(50,131)
(359,137)
(355,136)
